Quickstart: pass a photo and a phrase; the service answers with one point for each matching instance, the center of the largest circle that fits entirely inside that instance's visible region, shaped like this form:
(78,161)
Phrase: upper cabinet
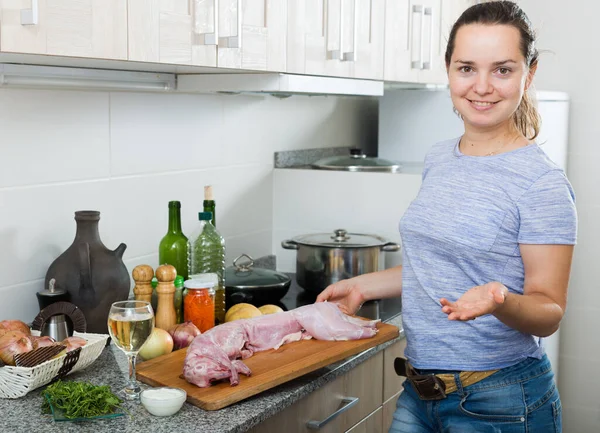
(241,34)
(391,40)
(78,28)
(416,33)
(341,38)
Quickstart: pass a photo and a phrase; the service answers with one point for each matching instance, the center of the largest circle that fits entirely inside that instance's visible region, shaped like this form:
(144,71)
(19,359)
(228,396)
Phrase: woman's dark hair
(526,119)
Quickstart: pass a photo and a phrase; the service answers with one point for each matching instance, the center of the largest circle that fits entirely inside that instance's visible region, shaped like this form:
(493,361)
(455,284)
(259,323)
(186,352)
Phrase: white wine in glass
(130,323)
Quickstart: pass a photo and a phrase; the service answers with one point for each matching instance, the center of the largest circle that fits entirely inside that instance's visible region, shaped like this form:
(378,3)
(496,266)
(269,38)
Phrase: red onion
(183,334)
(15,325)
(73,343)
(13,343)
(42,341)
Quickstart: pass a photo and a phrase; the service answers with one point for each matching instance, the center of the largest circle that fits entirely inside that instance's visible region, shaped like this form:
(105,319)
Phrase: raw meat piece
(214,355)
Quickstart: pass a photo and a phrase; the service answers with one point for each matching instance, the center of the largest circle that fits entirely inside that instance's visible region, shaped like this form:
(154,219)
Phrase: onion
(42,341)
(183,334)
(13,343)
(15,325)
(159,343)
(73,343)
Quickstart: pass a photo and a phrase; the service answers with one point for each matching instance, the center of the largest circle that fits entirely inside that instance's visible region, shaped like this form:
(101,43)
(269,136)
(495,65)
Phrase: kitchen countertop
(24,414)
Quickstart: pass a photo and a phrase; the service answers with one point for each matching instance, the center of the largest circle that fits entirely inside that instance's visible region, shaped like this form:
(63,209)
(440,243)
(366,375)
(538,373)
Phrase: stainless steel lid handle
(289,245)
(390,247)
(243,266)
(347,403)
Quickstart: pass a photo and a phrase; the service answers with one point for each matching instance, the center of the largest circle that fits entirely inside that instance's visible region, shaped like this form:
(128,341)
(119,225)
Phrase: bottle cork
(165,316)
(142,275)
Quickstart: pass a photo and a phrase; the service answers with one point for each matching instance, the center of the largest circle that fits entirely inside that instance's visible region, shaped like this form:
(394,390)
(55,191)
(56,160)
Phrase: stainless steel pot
(324,259)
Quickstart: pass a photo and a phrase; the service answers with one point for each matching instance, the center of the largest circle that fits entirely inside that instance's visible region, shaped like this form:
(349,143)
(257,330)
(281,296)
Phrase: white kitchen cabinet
(342,38)
(247,34)
(416,33)
(77,28)
(364,383)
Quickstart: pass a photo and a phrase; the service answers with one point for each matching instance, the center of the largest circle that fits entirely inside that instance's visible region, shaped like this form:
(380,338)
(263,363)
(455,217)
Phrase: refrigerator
(411,121)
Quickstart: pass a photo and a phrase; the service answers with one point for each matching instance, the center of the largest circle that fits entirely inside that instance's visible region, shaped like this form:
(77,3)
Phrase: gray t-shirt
(463,230)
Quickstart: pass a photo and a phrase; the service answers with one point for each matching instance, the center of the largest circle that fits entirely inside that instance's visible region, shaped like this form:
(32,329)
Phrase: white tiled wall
(568,64)
(128,154)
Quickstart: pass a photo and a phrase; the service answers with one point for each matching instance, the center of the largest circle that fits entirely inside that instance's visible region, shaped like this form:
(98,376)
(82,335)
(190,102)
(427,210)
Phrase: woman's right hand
(346,293)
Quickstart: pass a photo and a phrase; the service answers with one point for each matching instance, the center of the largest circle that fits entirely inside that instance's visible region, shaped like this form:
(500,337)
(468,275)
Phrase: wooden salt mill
(165,316)
(142,275)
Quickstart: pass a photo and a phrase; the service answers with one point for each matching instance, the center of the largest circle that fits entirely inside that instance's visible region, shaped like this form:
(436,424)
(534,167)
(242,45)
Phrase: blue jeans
(522,398)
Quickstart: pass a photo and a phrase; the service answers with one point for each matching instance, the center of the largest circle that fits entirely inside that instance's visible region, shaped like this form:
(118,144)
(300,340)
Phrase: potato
(270,309)
(242,311)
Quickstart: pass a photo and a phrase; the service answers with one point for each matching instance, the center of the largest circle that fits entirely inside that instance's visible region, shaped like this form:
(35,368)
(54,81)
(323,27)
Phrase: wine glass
(130,323)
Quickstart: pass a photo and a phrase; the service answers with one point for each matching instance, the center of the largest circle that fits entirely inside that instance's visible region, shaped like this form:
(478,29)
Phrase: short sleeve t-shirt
(463,230)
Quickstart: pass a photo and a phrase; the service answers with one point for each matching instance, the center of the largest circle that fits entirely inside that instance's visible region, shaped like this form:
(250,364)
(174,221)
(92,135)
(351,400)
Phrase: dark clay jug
(94,276)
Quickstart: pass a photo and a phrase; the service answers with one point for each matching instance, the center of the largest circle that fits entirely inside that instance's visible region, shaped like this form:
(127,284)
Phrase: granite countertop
(24,414)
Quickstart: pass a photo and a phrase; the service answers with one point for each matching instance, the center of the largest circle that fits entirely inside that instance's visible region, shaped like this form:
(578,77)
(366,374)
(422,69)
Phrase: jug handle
(120,250)
(85,270)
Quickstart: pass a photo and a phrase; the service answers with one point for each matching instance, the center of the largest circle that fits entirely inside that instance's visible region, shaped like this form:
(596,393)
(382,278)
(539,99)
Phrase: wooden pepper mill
(142,275)
(165,316)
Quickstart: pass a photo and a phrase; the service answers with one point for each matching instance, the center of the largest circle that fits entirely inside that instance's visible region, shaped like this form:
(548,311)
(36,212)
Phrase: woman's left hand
(476,302)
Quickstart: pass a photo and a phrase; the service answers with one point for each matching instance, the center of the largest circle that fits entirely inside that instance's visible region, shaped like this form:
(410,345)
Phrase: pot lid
(242,275)
(340,238)
(357,161)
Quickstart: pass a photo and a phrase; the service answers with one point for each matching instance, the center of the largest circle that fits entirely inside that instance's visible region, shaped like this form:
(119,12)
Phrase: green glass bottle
(174,247)
(178,298)
(208,256)
(209,203)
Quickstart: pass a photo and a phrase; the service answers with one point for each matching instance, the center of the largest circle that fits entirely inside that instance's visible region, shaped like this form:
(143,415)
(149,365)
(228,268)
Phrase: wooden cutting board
(269,368)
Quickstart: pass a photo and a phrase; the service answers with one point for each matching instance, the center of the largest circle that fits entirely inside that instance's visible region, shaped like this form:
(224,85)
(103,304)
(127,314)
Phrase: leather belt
(437,386)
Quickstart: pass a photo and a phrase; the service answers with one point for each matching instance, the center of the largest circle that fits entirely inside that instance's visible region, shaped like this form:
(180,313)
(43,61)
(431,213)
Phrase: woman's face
(487,75)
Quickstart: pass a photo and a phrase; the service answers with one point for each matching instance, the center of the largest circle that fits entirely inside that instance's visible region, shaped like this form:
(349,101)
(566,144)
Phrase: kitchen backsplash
(128,154)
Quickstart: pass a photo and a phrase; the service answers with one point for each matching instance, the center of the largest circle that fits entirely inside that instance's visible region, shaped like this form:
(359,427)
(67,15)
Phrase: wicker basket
(15,382)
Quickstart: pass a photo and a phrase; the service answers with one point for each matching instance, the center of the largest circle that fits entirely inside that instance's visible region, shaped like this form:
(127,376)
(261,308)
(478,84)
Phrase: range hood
(277,84)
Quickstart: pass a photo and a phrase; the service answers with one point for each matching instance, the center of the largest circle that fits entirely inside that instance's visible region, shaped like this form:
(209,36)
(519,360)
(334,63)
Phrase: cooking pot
(256,286)
(323,259)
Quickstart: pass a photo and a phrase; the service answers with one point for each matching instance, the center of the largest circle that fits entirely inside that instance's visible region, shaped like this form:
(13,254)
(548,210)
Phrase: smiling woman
(490,237)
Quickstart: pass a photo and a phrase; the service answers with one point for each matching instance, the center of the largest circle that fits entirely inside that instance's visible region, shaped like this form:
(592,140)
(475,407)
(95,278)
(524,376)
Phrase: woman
(487,248)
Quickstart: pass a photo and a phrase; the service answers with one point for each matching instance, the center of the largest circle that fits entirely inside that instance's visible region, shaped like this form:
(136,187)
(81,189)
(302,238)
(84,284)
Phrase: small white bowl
(163,401)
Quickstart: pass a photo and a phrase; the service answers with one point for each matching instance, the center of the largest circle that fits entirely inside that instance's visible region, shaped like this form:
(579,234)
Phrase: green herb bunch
(80,399)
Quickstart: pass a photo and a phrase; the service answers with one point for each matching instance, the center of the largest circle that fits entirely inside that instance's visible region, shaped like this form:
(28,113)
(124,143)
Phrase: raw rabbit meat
(215,355)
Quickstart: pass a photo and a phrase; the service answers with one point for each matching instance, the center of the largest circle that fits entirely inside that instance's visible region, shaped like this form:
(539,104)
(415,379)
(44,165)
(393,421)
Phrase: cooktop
(383,309)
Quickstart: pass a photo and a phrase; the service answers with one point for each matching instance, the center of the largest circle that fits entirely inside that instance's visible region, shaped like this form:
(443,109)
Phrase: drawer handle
(348,402)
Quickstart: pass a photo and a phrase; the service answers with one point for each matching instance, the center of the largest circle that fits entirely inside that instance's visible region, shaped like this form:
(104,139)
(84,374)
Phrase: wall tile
(584,287)
(38,225)
(52,136)
(581,390)
(580,420)
(153,133)
(577,323)
(19,301)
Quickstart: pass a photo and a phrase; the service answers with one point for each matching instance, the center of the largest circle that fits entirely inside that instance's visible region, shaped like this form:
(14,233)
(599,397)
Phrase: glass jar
(199,303)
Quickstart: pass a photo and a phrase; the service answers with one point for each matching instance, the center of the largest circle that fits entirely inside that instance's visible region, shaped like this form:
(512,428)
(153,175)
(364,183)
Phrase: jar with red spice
(199,303)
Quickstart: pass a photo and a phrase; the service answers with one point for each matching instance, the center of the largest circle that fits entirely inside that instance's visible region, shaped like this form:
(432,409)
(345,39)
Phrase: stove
(383,309)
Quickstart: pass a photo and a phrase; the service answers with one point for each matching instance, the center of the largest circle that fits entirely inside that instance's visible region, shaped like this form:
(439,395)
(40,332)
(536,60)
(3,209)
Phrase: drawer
(364,382)
(371,424)
(392,383)
(389,407)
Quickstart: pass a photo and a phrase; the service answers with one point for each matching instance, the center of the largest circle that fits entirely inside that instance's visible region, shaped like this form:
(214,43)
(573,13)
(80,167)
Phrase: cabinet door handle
(29,17)
(348,402)
(352,56)
(428,12)
(234,41)
(419,9)
(209,38)
(337,54)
